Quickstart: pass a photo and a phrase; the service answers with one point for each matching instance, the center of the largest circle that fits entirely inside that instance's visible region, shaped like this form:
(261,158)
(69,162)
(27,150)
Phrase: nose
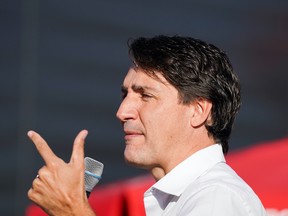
(127,110)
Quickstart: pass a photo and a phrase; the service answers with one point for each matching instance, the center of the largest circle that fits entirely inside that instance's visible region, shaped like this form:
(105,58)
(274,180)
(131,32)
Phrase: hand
(59,187)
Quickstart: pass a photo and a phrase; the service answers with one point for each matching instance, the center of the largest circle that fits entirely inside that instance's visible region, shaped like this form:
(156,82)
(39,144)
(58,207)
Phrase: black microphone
(93,172)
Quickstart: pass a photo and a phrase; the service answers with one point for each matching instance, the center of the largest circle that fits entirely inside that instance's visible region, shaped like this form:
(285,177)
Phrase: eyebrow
(137,88)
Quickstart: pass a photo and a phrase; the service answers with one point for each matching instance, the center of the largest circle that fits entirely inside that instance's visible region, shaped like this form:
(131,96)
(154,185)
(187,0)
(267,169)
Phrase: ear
(202,109)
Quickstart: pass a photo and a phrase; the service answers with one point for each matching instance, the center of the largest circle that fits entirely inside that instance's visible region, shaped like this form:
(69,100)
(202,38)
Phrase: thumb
(78,148)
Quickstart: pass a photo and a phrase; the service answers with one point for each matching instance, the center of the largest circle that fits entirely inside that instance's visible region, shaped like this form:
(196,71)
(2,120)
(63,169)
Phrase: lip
(132,134)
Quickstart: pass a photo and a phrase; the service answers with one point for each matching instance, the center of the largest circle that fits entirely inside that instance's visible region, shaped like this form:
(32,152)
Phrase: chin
(134,160)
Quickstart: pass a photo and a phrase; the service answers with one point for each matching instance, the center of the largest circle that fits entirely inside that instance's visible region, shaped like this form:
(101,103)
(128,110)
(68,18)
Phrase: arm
(59,187)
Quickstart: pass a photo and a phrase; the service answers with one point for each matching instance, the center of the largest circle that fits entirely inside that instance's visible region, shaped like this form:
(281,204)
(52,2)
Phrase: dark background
(62,63)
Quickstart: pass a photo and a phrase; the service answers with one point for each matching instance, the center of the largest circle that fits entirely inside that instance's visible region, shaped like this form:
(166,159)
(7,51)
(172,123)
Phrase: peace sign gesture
(59,186)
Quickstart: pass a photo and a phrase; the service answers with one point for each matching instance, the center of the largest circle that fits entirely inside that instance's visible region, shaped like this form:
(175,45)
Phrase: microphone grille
(93,172)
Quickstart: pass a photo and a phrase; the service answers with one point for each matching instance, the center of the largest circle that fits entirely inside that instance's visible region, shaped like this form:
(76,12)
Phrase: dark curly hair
(197,70)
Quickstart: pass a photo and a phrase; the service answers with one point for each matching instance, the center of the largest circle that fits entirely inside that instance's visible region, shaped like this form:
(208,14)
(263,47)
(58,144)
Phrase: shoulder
(220,191)
(223,177)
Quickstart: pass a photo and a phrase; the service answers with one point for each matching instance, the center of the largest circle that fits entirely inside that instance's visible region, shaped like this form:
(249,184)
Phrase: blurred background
(62,65)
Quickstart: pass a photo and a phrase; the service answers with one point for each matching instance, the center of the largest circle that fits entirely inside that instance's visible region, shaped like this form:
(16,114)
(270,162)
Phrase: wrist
(83,209)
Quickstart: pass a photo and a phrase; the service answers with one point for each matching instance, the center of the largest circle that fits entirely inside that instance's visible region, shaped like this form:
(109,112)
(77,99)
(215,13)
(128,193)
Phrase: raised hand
(59,186)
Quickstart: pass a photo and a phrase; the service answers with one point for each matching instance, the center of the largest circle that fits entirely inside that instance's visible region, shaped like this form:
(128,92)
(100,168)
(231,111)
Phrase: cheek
(163,122)
(160,126)
(168,124)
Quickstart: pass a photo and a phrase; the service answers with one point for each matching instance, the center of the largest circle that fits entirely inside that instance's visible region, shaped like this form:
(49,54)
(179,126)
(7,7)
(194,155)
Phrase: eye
(123,93)
(123,96)
(146,96)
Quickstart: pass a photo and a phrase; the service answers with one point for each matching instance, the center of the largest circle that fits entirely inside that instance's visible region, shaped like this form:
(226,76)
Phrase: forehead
(137,76)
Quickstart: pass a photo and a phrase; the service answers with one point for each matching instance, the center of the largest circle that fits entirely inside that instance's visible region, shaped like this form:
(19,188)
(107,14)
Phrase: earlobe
(201,112)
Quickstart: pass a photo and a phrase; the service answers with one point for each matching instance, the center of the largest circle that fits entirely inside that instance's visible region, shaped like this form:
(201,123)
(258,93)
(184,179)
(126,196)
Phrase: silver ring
(37,176)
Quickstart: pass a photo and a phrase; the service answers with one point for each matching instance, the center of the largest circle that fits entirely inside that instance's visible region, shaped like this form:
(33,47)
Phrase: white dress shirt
(202,185)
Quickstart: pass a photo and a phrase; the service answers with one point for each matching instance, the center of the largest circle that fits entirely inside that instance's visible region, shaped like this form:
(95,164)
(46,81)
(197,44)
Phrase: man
(180,99)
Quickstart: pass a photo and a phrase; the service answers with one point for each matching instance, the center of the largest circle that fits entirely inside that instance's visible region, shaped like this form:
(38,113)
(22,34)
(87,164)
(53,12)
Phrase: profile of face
(156,125)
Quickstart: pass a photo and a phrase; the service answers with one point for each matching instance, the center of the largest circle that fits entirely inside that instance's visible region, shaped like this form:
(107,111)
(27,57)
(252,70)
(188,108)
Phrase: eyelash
(142,95)
(123,95)
(145,96)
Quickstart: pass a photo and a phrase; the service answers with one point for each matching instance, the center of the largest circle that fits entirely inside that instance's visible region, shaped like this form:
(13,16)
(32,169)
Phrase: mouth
(129,135)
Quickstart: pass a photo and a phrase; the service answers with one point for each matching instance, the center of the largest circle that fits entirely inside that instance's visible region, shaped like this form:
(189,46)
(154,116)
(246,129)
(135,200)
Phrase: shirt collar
(178,179)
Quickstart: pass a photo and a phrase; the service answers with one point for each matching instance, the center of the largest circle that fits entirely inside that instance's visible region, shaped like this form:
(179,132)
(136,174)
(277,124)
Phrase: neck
(157,173)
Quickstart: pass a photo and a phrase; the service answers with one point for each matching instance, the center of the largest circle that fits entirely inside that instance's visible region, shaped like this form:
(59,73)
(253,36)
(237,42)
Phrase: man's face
(155,123)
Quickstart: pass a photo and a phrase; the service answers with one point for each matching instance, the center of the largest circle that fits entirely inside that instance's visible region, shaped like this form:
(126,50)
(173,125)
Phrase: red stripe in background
(264,167)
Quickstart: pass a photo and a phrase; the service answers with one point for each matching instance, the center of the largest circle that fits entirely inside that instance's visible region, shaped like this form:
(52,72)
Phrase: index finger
(42,147)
